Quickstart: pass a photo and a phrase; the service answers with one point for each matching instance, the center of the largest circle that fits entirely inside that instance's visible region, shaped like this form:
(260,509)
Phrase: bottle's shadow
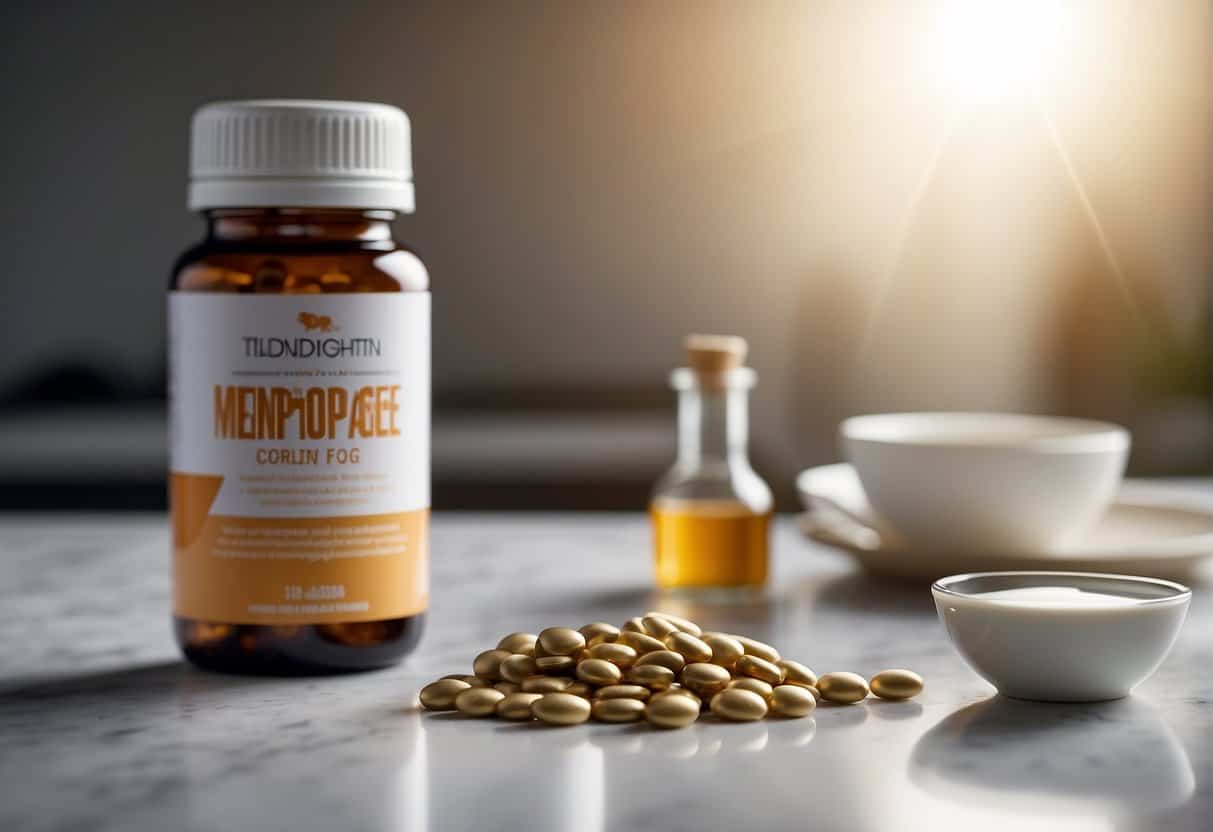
(120,690)
(134,680)
(1108,757)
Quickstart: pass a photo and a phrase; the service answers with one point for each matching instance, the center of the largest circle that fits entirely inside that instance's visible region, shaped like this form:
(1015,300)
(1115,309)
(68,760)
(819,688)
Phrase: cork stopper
(712,357)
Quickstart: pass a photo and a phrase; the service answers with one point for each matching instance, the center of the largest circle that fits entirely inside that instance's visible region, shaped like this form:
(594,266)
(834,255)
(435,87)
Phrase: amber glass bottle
(299,396)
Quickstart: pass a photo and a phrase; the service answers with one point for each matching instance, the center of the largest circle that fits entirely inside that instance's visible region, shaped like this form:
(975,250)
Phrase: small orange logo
(321,322)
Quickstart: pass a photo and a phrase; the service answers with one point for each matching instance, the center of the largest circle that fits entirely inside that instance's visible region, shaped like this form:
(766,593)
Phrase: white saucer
(1151,530)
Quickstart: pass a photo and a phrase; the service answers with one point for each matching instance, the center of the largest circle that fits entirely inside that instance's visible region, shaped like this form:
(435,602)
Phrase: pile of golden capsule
(657,667)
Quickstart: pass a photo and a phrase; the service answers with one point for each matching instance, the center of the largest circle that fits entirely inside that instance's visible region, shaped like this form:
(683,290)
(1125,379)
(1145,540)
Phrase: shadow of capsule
(642,738)
(893,711)
(744,738)
(842,715)
(451,716)
(623,739)
(518,728)
(793,733)
(677,744)
(705,739)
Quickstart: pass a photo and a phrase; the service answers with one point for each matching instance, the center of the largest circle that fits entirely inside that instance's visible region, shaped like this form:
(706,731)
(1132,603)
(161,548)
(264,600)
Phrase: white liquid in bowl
(1057,597)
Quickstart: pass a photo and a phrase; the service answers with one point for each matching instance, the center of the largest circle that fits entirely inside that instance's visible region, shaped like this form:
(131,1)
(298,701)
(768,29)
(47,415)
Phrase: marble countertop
(102,727)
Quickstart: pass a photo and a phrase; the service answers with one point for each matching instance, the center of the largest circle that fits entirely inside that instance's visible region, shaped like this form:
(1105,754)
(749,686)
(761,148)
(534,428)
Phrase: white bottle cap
(301,154)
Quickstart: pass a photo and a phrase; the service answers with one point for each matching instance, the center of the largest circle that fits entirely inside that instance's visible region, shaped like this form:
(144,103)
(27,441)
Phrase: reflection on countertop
(1047,758)
(105,729)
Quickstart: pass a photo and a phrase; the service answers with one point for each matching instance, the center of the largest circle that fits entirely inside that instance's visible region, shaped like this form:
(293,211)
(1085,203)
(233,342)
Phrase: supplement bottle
(711,511)
(299,393)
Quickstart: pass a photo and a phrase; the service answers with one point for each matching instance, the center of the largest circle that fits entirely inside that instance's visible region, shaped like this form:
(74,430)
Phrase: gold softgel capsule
(478,701)
(679,690)
(618,710)
(768,672)
(579,688)
(523,643)
(686,625)
(657,626)
(640,642)
(896,684)
(599,630)
(561,641)
(488,664)
(440,695)
(738,705)
(652,676)
(561,709)
(689,647)
(545,684)
(619,655)
(842,688)
(725,649)
(665,658)
(672,711)
(704,678)
(792,701)
(751,684)
(517,706)
(633,625)
(795,673)
(598,672)
(517,667)
(753,647)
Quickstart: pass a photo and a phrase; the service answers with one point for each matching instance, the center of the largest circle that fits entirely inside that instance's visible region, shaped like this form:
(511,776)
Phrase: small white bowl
(988,482)
(1061,636)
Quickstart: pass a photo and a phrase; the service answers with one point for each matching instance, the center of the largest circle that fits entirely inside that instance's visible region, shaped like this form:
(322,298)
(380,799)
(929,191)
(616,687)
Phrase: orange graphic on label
(321,322)
(298,570)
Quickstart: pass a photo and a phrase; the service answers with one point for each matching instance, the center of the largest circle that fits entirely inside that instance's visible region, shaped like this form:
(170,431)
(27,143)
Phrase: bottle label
(299,456)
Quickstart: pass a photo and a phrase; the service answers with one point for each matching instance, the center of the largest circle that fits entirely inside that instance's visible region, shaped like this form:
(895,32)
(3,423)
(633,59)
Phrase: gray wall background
(596,179)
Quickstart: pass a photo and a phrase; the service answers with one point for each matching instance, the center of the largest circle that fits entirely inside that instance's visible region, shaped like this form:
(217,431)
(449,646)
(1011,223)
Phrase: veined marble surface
(102,727)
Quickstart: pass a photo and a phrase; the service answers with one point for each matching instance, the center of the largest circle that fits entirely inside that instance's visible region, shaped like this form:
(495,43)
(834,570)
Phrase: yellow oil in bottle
(709,543)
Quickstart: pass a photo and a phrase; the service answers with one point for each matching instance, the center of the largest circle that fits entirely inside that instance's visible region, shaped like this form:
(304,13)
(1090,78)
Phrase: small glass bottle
(711,511)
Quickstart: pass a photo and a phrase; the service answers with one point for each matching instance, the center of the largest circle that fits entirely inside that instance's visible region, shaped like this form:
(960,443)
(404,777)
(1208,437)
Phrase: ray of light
(885,281)
(1123,285)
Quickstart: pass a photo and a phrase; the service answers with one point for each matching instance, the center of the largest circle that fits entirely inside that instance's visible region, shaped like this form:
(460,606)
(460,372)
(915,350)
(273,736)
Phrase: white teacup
(990,482)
